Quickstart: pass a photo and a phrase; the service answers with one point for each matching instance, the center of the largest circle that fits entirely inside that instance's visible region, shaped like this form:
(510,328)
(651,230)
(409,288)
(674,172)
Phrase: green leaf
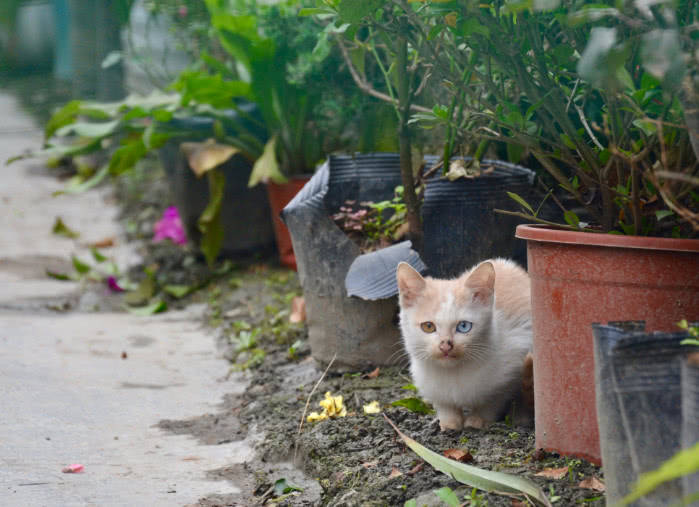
(62,117)
(448,496)
(685,462)
(177,291)
(78,184)
(209,222)
(97,255)
(282,487)
(313,11)
(571,218)
(414,405)
(61,229)
(663,213)
(143,293)
(89,129)
(155,307)
(111,59)
(59,276)
(80,266)
(522,202)
(409,387)
(126,156)
(353,11)
(690,341)
(410,503)
(475,477)
(266,167)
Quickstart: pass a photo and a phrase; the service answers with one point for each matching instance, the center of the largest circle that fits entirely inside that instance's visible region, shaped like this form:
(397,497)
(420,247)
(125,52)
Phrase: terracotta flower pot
(579,278)
(279,195)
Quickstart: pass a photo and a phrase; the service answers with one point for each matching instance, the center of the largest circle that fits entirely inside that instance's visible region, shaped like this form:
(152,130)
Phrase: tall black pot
(245,212)
(359,332)
(460,226)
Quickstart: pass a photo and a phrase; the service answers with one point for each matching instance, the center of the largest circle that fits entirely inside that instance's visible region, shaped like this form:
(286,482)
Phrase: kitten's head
(447,321)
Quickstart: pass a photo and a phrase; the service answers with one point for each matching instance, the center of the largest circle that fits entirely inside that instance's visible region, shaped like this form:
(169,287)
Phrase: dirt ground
(352,460)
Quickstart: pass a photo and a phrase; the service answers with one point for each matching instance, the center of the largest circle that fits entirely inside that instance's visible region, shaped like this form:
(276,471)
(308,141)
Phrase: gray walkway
(66,394)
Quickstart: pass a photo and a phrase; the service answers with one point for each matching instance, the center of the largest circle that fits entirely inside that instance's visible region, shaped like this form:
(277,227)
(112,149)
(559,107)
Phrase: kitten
(468,340)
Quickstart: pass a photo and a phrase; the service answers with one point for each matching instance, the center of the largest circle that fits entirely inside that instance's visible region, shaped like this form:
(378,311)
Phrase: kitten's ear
(410,284)
(482,283)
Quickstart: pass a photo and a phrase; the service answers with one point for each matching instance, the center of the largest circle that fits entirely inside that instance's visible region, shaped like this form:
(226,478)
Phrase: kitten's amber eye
(428,327)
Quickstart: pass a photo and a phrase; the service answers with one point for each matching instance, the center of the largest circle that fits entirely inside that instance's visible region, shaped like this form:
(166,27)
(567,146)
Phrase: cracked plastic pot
(639,406)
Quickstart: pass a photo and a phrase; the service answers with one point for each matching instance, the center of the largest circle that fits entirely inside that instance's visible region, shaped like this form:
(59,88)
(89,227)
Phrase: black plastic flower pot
(245,212)
(354,331)
(459,224)
(690,415)
(639,406)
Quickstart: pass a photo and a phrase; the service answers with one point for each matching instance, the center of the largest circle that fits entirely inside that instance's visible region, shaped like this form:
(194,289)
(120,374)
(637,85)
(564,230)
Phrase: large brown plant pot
(279,195)
(579,278)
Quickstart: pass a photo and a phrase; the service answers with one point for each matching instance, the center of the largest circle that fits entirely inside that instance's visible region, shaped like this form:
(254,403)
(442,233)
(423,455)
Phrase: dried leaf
(394,473)
(553,473)
(103,243)
(203,157)
(373,374)
(298,310)
(370,464)
(458,455)
(416,468)
(592,483)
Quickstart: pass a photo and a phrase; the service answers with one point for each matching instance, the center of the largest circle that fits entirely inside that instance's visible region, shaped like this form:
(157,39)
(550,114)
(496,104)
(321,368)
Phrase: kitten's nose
(446,346)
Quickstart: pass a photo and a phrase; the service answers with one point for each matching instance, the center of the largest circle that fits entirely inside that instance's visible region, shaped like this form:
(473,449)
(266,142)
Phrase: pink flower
(112,284)
(182,11)
(170,227)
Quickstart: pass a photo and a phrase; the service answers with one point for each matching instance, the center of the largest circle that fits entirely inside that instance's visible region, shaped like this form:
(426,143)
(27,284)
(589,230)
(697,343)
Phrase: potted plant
(595,109)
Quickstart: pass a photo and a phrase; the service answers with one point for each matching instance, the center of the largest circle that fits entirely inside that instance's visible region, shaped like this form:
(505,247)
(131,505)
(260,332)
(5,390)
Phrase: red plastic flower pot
(279,196)
(579,278)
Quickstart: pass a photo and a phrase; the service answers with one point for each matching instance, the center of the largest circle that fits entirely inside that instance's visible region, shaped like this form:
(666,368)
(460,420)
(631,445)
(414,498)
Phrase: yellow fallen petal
(333,405)
(372,408)
(315,416)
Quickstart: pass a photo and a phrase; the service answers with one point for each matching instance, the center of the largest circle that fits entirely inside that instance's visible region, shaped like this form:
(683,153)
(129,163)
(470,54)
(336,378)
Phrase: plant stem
(406,162)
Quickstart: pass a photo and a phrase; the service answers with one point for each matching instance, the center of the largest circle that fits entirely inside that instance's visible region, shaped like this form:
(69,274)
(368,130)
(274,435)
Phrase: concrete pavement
(66,393)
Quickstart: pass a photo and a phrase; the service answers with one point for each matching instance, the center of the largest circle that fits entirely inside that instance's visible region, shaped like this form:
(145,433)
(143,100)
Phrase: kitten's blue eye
(463,326)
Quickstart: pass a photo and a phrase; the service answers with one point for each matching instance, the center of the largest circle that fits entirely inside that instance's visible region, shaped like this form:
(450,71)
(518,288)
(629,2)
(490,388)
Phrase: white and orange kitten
(467,340)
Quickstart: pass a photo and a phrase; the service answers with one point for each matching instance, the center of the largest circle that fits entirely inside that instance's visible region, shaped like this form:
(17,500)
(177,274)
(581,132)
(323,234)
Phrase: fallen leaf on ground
(73,469)
(416,468)
(298,310)
(592,483)
(372,408)
(553,473)
(370,464)
(191,458)
(373,374)
(458,455)
(519,503)
(61,229)
(103,243)
(394,473)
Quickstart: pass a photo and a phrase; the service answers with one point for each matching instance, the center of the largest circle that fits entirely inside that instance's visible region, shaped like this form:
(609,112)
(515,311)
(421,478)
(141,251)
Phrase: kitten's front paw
(450,418)
(474,421)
